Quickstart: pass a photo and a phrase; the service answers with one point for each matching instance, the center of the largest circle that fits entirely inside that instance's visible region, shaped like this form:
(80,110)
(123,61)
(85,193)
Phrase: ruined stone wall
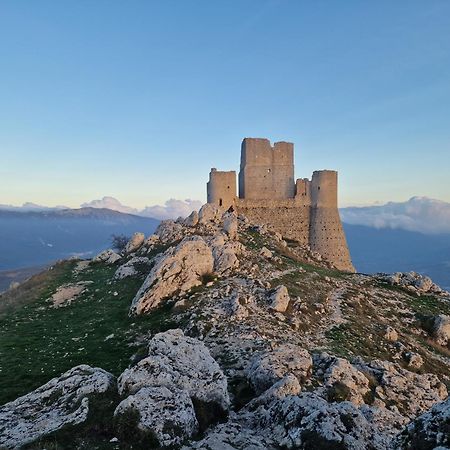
(221,188)
(326,235)
(266,172)
(288,217)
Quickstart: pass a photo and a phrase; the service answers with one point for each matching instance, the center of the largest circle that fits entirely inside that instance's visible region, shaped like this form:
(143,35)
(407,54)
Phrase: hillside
(223,335)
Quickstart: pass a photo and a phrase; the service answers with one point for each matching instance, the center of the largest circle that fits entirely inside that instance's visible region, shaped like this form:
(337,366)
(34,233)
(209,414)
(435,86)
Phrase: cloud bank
(421,214)
(172,208)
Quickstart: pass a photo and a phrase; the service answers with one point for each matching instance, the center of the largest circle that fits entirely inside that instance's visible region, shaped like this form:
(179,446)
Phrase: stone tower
(302,210)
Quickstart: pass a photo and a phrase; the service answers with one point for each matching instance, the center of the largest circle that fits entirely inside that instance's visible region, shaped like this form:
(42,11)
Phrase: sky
(139,99)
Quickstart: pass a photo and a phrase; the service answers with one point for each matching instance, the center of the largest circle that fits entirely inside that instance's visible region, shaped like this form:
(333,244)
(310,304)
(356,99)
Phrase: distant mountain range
(33,238)
(31,235)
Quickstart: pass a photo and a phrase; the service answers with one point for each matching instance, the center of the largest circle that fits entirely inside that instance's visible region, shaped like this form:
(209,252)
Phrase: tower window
(220,202)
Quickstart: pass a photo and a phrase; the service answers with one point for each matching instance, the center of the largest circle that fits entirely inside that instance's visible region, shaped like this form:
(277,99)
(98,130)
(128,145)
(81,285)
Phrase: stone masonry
(302,210)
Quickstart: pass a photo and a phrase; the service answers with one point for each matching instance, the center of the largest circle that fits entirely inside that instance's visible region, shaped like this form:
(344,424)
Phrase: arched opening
(220,202)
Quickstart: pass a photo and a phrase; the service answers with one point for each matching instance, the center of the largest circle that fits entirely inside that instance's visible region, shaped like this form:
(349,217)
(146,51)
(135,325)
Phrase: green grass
(38,342)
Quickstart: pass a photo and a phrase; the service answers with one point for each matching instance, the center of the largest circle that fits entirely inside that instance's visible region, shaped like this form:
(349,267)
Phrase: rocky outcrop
(175,360)
(441,329)
(412,393)
(210,213)
(129,269)
(414,282)
(134,243)
(230,225)
(169,231)
(428,431)
(343,381)
(62,402)
(279,299)
(107,256)
(175,271)
(157,416)
(268,368)
(226,253)
(192,220)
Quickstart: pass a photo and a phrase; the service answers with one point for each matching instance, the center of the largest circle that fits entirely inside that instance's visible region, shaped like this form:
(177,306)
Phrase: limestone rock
(230,225)
(414,360)
(63,401)
(152,240)
(128,269)
(169,231)
(412,393)
(210,213)
(280,299)
(428,431)
(266,252)
(225,253)
(414,282)
(192,220)
(165,415)
(107,256)
(176,360)
(391,334)
(270,367)
(441,329)
(345,382)
(178,269)
(134,243)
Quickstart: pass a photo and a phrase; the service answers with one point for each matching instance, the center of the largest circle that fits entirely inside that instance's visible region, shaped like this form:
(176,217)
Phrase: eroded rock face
(107,256)
(346,382)
(210,213)
(63,401)
(192,220)
(176,360)
(280,299)
(177,270)
(226,253)
(230,225)
(270,367)
(134,243)
(428,431)
(441,329)
(412,393)
(160,416)
(170,231)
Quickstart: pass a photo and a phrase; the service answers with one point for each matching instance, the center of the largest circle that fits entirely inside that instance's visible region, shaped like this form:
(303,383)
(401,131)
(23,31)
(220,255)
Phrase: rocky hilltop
(216,333)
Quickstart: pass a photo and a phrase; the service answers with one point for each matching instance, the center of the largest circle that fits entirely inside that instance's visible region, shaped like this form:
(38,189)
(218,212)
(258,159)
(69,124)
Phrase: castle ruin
(302,210)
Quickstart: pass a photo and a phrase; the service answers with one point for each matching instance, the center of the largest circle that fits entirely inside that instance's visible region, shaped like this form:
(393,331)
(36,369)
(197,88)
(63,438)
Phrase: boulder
(269,367)
(210,213)
(175,271)
(128,269)
(225,253)
(192,220)
(135,243)
(176,360)
(390,334)
(169,231)
(62,402)
(266,253)
(344,381)
(430,430)
(107,256)
(156,416)
(441,329)
(230,225)
(280,299)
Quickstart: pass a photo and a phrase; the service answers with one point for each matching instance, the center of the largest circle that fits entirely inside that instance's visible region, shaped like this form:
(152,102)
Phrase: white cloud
(110,203)
(172,209)
(421,214)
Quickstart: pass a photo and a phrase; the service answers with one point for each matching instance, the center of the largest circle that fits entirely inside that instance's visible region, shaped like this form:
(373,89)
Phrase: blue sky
(139,99)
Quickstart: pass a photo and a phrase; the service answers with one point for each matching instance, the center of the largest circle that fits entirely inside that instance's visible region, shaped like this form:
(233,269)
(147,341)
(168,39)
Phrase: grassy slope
(38,342)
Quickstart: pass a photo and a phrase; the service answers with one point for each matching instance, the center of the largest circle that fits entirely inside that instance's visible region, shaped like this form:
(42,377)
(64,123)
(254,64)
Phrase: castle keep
(303,210)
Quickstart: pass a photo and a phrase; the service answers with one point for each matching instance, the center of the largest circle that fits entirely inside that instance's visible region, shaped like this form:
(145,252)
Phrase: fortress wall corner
(221,188)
